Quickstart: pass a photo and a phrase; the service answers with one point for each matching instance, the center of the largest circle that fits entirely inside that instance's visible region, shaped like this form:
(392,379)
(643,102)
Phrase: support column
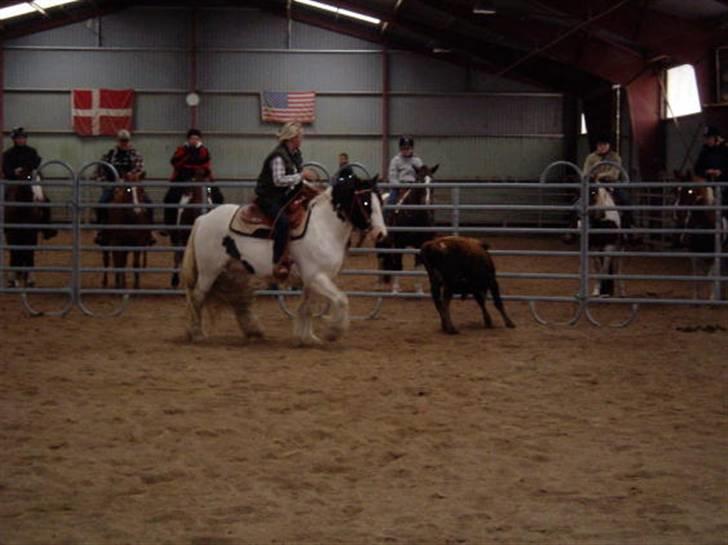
(385,112)
(193,85)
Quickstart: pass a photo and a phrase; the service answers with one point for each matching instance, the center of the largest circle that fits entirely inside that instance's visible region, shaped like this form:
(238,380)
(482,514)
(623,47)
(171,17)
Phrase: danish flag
(101,111)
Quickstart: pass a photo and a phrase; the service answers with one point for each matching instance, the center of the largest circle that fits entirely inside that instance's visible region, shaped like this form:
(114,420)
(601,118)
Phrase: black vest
(266,189)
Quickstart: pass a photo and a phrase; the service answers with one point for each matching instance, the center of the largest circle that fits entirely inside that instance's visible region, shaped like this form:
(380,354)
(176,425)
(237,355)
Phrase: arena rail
(80,202)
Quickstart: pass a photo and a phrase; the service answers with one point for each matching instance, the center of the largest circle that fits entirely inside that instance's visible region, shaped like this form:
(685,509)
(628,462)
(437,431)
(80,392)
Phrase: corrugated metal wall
(474,125)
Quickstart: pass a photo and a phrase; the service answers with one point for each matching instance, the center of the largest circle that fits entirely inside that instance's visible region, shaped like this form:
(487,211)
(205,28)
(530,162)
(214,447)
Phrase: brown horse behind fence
(127,216)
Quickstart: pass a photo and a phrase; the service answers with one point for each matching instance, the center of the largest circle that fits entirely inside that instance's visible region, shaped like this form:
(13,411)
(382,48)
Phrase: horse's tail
(189,262)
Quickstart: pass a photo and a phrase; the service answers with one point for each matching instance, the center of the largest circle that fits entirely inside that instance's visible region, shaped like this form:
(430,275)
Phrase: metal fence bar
(581,300)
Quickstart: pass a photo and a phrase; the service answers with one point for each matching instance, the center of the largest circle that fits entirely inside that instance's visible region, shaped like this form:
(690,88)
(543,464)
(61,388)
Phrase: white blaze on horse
(219,262)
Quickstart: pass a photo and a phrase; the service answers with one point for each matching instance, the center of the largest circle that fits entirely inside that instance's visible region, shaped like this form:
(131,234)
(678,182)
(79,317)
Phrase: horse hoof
(195,336)
(255,334)
(310,342)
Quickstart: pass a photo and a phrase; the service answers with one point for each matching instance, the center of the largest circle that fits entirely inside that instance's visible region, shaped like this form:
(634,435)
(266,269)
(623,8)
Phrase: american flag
(283,106)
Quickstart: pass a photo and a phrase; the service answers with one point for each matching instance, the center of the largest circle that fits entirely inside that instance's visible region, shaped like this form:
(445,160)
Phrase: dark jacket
(265,188)
(710,158)
(19,157)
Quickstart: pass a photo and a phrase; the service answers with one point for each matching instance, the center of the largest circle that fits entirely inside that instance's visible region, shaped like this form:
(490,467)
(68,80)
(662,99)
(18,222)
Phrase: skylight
(340,11)
(682,92)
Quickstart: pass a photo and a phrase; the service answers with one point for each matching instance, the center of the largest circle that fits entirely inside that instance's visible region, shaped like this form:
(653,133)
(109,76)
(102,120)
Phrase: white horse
(606,242)
(212,269)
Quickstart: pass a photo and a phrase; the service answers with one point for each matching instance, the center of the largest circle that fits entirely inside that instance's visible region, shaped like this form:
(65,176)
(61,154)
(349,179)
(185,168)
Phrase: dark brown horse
(25,191)
(127,193)
(418,194)
(188,212)
(696,192)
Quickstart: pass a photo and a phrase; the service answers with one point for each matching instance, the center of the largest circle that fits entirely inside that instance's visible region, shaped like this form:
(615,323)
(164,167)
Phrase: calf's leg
(498,302)
(480,298)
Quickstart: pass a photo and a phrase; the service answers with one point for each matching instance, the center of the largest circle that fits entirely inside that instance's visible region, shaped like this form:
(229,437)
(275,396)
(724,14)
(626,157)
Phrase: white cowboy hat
(290,130)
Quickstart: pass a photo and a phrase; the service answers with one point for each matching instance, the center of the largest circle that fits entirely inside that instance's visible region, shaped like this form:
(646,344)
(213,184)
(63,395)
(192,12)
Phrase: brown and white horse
(605,242)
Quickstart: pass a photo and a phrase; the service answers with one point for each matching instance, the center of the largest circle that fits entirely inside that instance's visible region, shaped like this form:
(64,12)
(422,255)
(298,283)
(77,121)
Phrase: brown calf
(460,265)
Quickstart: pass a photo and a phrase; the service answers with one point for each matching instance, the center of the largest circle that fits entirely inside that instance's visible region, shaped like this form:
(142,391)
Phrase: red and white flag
(97,112)
(282,106)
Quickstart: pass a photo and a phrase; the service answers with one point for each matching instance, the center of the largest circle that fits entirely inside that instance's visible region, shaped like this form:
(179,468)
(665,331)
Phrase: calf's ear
(434,169)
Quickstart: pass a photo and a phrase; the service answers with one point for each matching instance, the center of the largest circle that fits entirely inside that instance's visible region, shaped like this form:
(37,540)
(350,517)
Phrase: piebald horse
(605,242)
(220,264)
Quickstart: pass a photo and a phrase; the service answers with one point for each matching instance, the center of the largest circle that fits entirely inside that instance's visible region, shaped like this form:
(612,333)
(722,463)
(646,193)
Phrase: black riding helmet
(406,142)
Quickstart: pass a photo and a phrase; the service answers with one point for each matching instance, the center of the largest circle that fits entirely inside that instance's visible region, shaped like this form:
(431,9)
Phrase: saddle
(249,220)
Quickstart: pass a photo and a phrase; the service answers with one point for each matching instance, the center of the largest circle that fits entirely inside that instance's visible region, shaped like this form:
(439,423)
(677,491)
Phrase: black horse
(418,194)
(24,191)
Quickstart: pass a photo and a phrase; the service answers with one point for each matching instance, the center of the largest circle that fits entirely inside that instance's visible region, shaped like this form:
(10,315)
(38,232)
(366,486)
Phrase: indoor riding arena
(332,396)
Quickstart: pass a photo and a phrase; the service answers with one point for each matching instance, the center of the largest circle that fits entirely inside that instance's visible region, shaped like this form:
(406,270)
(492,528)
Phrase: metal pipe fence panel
(537,268)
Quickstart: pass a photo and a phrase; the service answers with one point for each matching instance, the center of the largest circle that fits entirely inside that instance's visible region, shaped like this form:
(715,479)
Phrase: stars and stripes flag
(97,112)
(283,106)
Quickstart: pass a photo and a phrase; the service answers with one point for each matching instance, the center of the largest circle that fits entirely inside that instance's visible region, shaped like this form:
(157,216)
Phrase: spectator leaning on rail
(402,167)
(279,180)
(129,163)
(20,160)
(191,161)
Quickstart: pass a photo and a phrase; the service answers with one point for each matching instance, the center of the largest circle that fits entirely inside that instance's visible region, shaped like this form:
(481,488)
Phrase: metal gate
(463,208)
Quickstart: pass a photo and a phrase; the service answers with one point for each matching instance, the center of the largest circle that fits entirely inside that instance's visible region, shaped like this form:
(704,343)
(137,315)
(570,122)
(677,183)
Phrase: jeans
(275,210)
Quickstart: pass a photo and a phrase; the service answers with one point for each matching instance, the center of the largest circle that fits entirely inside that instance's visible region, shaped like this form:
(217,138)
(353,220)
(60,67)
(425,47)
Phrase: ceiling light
(340,11)
(16,11)
(484,7)
(46,4)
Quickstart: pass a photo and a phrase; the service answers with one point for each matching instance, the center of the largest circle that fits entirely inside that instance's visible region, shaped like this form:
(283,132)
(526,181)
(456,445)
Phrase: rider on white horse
(279,180)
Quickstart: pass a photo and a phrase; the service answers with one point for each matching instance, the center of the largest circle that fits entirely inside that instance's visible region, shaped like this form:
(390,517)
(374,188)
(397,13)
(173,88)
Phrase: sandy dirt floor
(117,431)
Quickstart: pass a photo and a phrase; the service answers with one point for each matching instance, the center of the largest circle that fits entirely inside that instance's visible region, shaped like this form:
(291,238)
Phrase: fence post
(455,198)
(2,222)
(718,243)
(583,212)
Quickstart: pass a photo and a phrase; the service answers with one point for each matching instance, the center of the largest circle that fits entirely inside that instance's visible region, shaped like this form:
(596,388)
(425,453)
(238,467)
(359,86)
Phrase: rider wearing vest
(278,182)
(20,160)
(402,167)
(129,163)
(190,161)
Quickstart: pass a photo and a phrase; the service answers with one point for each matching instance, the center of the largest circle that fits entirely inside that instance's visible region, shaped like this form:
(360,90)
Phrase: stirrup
(281,270)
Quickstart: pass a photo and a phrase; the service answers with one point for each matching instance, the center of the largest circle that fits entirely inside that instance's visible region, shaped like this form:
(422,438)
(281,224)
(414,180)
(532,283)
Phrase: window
(682,92)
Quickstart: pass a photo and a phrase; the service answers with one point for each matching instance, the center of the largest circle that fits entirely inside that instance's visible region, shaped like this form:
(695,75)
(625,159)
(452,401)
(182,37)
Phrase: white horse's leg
(596,266)
(339,320)
(303,324)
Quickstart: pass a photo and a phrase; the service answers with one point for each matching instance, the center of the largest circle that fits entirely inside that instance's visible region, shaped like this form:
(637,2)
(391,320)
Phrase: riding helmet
(406,142)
